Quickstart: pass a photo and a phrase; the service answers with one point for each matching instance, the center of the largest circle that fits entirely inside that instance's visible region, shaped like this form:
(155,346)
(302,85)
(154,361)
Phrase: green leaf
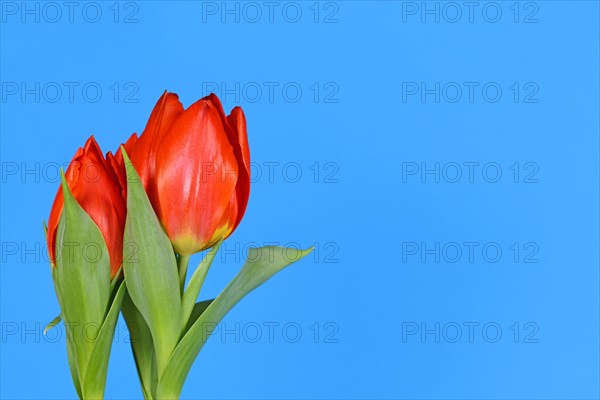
(193,288)
(95,375)
(46,240)
(52,323)
(73,365)
(71,354)
(261,264)
(142,347)
(197,311)
(116,279)
(152,277)
(81,276)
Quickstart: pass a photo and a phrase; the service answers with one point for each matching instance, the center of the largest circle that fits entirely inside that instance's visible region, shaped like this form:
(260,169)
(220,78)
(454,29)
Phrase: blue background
(373,223)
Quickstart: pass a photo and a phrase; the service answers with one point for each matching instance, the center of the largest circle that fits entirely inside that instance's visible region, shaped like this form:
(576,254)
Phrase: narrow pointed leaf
(197,311)
(141,346)
(73,365)
(193,288)
(95,375)
(82,276)
(261,264)
(152,277)
(71,353)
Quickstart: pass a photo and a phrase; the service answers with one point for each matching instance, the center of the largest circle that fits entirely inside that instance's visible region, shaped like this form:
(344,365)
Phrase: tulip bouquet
(121,232)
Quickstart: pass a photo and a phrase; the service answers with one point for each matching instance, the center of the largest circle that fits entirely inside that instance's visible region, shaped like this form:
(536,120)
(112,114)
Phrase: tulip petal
(237,120)
(101,196)
(242,192)
(235,127)
(128,145)
(167,109)
(165,112)
(58,205)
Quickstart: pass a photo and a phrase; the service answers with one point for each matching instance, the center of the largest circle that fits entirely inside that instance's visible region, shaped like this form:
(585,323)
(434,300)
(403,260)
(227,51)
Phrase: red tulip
(195,166)
(96,188)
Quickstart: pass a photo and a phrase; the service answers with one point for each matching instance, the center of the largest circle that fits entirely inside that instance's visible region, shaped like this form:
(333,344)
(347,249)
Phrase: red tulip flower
(195,166)
(96,188)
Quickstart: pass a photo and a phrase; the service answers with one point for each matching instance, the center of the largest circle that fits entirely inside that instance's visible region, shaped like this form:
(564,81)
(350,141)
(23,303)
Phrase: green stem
(182,265)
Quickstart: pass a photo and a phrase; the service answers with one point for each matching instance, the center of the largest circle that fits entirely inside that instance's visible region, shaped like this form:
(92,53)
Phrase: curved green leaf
(73,368)
(261,264)
(82,277)
(193,288)
(95,374)
(141,346)
(197,311)
(151,274)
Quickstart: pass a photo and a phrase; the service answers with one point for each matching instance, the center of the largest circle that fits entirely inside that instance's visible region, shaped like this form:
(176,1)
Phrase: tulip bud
(96,188)
(202,176)
(195,167)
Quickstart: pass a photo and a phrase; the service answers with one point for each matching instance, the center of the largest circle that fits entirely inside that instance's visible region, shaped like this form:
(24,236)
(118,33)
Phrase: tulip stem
(182,265)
